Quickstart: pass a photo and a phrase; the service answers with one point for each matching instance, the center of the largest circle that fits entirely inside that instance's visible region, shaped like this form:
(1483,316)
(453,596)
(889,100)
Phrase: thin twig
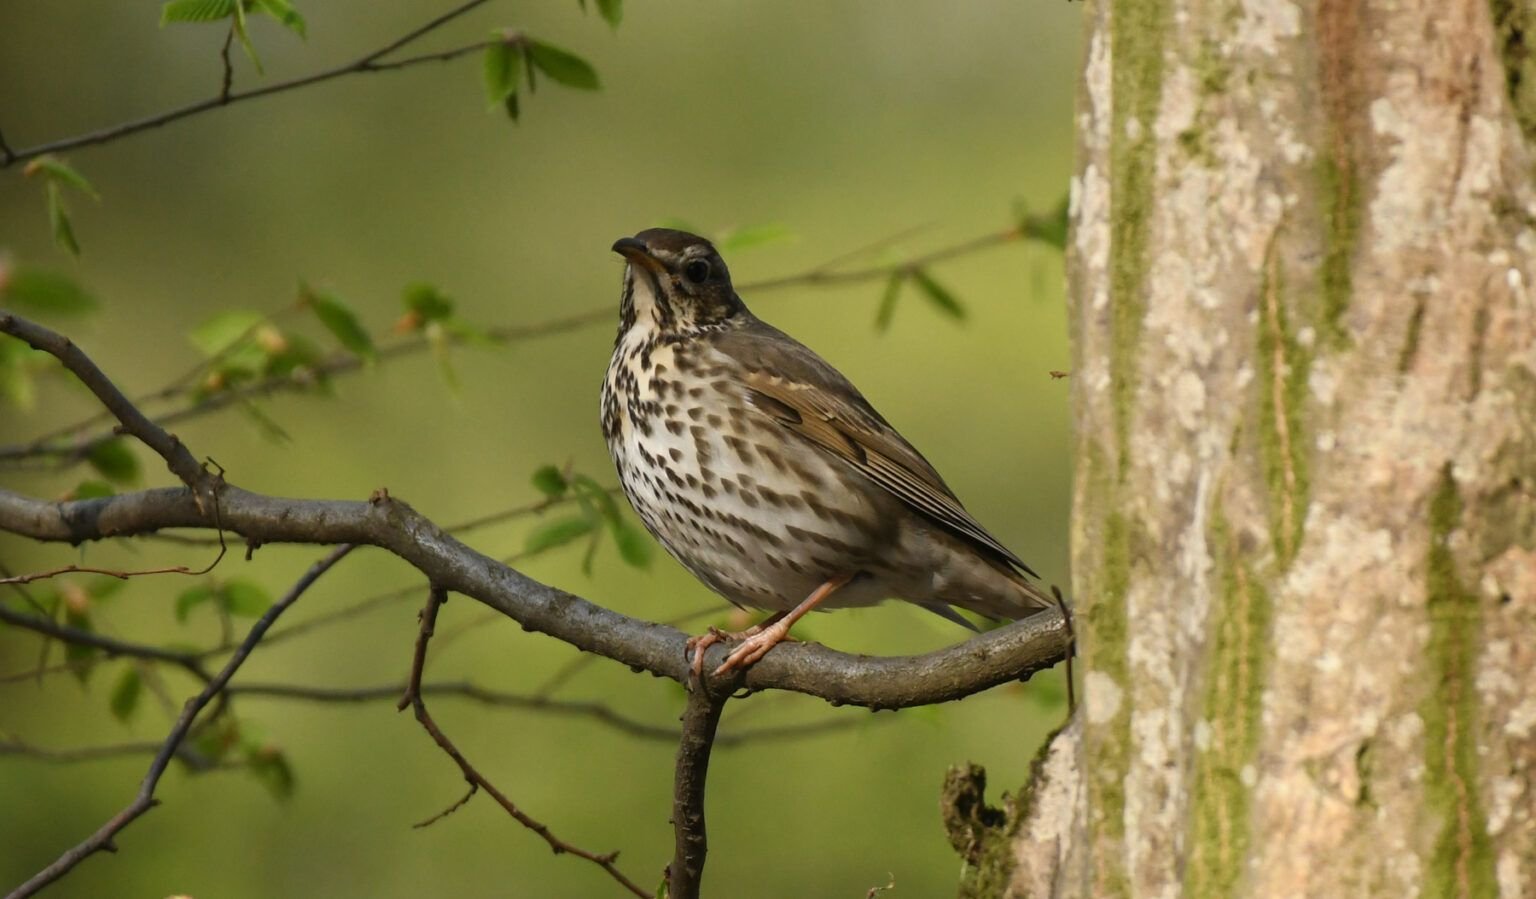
(477,781)
(701,717)
(227,84)
(112,646)
(368,63)
(169,448)
(16,747)
(102,839)
(109,572)
(595,711)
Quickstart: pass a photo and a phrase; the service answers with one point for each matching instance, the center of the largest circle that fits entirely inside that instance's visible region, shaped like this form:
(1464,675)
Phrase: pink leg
(697,645)
(771,632)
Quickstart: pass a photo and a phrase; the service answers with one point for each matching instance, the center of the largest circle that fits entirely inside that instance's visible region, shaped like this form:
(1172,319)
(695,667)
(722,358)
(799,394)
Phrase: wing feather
(797,388)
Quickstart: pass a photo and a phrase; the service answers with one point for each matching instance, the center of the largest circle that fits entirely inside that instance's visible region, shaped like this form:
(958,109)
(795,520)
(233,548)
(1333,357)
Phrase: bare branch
(112,646)
(595,711)
(477,781)
(701,717)
(226,97)
(102,839)
(1007,654)
(11,746)
(176,456)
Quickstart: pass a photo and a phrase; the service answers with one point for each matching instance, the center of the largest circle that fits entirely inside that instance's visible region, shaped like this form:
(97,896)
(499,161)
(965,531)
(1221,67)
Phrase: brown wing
(802,392)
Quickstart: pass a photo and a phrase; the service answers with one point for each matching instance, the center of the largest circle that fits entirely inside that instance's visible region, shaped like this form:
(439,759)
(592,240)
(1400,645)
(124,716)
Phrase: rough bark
(1305,511)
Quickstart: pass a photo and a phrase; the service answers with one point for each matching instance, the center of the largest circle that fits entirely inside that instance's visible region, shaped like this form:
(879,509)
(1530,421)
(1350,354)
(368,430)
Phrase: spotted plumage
(766,473)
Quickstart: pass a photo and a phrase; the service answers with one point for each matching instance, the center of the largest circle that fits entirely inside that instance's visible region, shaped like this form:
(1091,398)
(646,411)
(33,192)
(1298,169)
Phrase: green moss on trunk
(1234,684)
(1461,863)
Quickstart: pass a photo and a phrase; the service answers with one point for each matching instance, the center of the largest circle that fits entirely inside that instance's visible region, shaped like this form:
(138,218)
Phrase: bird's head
(675,282)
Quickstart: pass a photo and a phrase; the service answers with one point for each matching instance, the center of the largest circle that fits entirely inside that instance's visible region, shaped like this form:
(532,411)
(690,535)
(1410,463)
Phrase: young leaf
(938,295)
(35,290)
(442,353)
(15,379)
(612,11)
(82,659)
(502,70)
(58,220)
(270,765)
(196,11)
(753,236)
(114,461)
(125,694)
(558,532)
(511,106)
(57,171)
(563,66)
(887,308)
(429,303)
(221,332)
(285,14)
(244,36)
(191,598)
(92,490)
(634,546)
(548,480)
(244,598)
(341,321)
(1050,228)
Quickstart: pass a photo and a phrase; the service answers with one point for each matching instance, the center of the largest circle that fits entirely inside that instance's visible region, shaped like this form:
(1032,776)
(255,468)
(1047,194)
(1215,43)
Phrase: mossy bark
(1303,286)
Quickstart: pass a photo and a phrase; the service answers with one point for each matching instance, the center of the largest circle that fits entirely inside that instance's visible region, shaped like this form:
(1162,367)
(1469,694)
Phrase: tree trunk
(1305,512)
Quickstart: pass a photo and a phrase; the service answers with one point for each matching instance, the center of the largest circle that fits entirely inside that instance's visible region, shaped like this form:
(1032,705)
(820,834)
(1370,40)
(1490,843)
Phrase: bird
(764,472)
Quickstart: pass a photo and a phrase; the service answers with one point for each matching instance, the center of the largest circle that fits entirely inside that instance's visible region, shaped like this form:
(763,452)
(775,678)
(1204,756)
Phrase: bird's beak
(635,250)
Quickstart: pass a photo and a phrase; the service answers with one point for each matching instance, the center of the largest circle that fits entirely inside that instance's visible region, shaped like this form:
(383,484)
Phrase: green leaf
(938,295)
(38,291)
(15,378)
(191,598)
(82,659)
(114,461)
(224,330)
(196,11)
(244,36)
(563,66)
(104,587)
(57,171)
(887,308)
(442,353)
(125,694)
(244,598)
(502,70)
(612,11)
(285,14)
(635,547)
(340,320)
(512,108)
(753,236)
(58,220)
(428,302)
(664,889)
(270,765)
(1050,229)
(549,480)
(92,490)
(558,532)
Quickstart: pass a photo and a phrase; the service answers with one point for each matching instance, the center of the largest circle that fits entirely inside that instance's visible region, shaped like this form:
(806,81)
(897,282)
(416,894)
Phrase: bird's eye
(697,271)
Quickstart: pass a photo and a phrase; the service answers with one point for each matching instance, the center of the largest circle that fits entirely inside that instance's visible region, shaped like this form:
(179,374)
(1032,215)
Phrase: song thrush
(767,474)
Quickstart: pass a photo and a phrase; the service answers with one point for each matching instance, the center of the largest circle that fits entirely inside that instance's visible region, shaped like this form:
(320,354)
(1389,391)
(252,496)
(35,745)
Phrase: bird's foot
(696,646)
(754,646)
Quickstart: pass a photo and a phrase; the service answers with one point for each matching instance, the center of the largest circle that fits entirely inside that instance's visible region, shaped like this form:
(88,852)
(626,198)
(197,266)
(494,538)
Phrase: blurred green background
(846,123)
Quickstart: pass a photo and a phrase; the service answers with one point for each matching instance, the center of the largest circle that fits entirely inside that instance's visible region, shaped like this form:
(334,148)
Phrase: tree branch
(596,711)
(685,875)
(102,839)
(477,781)
(226,97)
(112,646)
